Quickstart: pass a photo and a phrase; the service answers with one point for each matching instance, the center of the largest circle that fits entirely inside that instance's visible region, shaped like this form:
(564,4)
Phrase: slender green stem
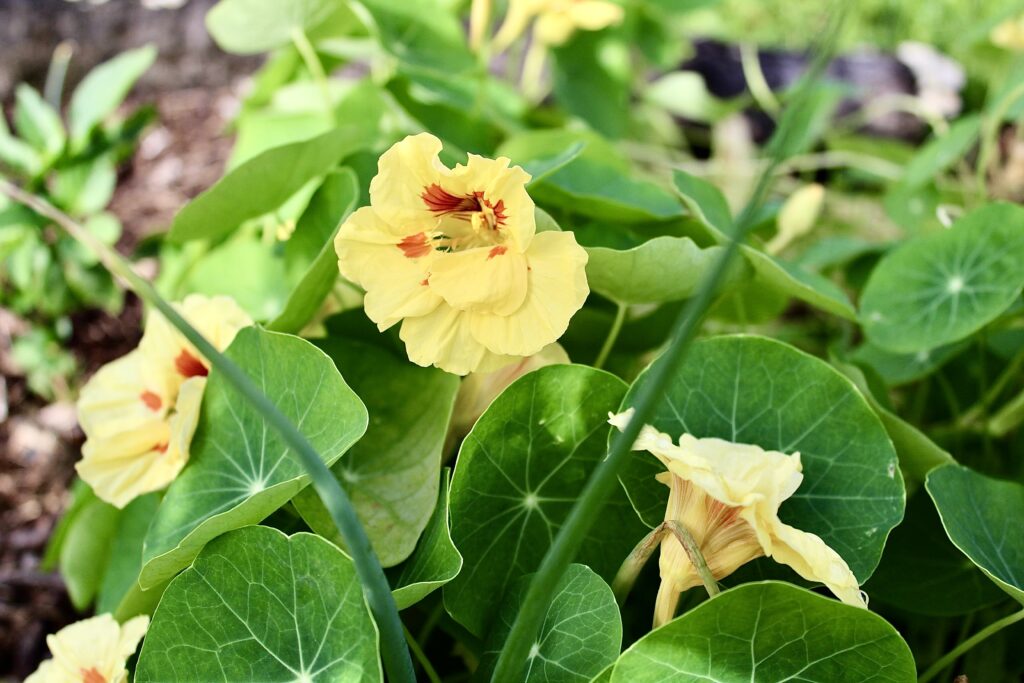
(977,411)
(955,654)
(603,481)
(756,82)
(308,53)
(53,89)
(635,561)
(695,556)
(421,657)
(395,654)
(613,335)
(990,136)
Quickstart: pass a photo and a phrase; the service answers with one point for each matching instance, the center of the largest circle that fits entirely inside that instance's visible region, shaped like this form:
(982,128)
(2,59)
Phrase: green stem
(604,479)
(613,335)
(978,410)
(395,654)
(990,136)
(421,657)
(955,654)
(634,563)
(756,83)
(312,62)
(695,556)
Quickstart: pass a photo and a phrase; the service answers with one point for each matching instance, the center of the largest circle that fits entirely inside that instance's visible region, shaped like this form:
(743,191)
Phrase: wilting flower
(557,20)
(140,411)
(727,495)
(452,254)
(91,651)
(1009,35)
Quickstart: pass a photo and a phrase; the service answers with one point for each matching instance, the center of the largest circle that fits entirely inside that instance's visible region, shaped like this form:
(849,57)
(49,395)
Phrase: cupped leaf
(257,605)
(260,185)
(769,632)
(254,26)
(391,474)
(517,476)
(758,391)
(940,288)
(240,470)
(920,563)
(798,283)
(434,562)
(581,633)
(659,270)
(706,203)
(103,89)
(982,517)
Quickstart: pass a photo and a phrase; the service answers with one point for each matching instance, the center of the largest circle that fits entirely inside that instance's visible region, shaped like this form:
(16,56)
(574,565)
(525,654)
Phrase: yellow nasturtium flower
(1009,35)
(453,254)
(91,651)
(140,411)
(557,20)
(727,495)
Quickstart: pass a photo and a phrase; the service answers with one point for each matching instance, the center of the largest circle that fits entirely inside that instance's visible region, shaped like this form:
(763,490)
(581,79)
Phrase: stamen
(190,366)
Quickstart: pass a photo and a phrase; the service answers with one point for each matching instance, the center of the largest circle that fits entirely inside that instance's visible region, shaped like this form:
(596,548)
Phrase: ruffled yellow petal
(484,280)
(404,172)
(91,651)
(126,397)
(442,338)
(556,289)
(182,424)
(394,271)
(811,558)
(519,15)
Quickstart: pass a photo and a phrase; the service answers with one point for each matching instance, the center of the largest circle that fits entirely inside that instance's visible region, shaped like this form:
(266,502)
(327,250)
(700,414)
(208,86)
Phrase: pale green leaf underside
(759,391)
(982,517)
(257,605)
(766,633)
(798,283)
(942,287)
(391,475)
(581,633)
(240,469)
(518,474)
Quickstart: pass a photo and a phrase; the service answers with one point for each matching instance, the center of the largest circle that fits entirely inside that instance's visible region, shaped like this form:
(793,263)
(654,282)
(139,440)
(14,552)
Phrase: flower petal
(556,289)
(403,173)
(485,280)
(814,560)
(442,338)
(91,645)
(130,394)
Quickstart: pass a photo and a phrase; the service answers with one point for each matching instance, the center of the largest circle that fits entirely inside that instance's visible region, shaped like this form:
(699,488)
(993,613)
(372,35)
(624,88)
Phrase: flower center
(465,221)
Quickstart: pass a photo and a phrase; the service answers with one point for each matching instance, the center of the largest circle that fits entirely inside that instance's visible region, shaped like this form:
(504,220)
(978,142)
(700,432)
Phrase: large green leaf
(659,270)
(260,185)
(254,26)
(422,35)
(706,203)
(591,78)
(518,474)
(796,282)
(982,517)
(766,633)
(434,562)
(758,391)
(248,270)
(940,288)
(919,563)
(257,605)
(121,573)
(86,550)
(103,89)
(240,469)
(581,633)
(391,475)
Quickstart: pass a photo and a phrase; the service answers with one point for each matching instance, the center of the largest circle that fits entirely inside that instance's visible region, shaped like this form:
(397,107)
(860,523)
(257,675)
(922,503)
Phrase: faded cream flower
(727,495)
(452,254)
(556,20)
(139,412)
(1009,35)
(91,651)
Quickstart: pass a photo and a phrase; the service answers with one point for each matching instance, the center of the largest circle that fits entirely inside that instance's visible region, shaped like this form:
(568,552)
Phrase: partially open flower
(140,411)
(557,20)
(91,651)
(727,495)
(453,255)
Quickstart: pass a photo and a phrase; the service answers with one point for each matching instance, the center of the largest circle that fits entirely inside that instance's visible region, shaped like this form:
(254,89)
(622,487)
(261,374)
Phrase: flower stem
(316,69)
(613,335)
(954,654)
(634,563)
(604,479)
(395,654)
(695,556)
(421,658)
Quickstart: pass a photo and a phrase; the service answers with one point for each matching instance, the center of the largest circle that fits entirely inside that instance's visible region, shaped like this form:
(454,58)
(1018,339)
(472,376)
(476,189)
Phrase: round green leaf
(942,287)
(257,605)
(769,632)
(254,26)
(391,475)
(982,517)
(758,391)
(581,633)
(240,470)
(519,472)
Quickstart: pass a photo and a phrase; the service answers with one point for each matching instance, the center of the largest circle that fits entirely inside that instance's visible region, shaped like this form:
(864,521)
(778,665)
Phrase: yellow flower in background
(727,495)
(452,254)
(91,651)
(140,411)
(1009,35)
(556,21)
